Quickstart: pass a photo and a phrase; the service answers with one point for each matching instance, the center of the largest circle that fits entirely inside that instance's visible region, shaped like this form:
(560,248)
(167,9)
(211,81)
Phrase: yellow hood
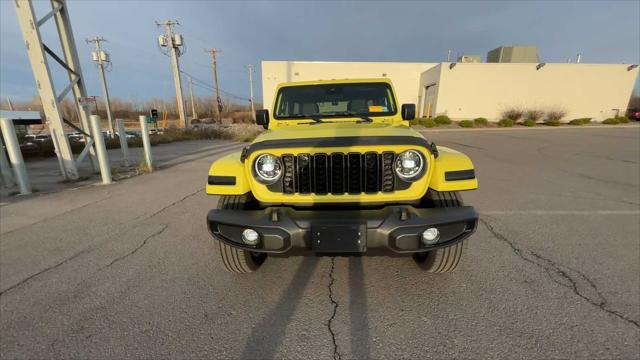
(342,129)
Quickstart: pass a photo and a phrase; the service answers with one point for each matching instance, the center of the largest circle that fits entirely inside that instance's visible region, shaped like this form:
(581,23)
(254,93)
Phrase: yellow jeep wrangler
(339,172)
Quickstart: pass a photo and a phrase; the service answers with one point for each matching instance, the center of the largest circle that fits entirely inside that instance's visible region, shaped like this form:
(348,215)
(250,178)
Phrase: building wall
(470,90)
(405,76)
(513,54)
(582,90)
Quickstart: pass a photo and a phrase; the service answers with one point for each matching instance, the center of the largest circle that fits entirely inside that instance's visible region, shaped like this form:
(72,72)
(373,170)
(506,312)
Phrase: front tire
(236,260)
(445,259)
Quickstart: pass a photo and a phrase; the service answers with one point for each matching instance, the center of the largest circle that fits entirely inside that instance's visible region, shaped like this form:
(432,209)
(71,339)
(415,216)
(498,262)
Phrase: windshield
(335,100)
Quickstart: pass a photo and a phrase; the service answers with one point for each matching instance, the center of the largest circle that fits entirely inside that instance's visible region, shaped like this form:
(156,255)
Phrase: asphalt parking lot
(129,270)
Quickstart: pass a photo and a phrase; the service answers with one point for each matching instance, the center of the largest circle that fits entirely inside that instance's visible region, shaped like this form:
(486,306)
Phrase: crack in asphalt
(562,276)
(172,204)
(43,271)
(336,354)
(58,215)
(144,242)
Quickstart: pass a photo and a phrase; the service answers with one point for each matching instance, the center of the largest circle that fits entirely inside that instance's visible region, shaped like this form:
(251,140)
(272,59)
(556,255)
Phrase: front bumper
(391,231)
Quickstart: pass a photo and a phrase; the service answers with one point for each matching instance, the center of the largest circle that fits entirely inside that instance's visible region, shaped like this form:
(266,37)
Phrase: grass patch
(529,123)
(505,123)
(611,121)
(481,122)
(429,123)
(466,124)
(442,120)
(581,121)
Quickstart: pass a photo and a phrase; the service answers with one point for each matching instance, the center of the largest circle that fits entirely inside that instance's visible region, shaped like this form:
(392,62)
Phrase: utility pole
(100,57)
(253,110)
(173,42)
(214,61)
(10,104)
(194,114)
(449,55)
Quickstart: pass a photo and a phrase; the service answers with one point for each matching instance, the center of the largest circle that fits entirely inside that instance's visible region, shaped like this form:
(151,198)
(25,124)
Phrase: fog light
(250,237)
(430,236)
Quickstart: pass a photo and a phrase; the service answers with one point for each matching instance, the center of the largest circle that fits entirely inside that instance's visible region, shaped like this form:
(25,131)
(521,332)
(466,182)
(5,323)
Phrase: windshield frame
(389,88)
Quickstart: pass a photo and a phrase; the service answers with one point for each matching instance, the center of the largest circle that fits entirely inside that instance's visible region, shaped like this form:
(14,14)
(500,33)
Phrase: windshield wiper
(364,118)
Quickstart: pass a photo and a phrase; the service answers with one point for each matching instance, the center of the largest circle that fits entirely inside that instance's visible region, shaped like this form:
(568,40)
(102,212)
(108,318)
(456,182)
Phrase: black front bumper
(393,230)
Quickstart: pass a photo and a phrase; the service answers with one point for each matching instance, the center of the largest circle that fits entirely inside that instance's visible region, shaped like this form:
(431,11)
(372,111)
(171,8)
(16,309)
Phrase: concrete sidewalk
(45,176)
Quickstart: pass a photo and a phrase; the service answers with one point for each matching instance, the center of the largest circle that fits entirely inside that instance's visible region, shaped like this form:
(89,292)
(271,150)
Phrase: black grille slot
(338,173)
(321,173)
(388,179)
(288,178)
(304,173)
(354,173)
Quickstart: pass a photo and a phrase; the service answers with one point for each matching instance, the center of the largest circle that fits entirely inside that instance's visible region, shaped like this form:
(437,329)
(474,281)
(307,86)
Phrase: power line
(198,81)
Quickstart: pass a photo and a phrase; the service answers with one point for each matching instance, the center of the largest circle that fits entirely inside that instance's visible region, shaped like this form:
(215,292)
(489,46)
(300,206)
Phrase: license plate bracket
(329,238)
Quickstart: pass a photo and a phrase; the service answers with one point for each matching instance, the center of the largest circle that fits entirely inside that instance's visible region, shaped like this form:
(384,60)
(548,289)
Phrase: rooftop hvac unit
(177,40)
(162,40)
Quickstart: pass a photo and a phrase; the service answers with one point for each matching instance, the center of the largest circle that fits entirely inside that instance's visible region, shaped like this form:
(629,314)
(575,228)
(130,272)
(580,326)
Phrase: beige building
(470,90)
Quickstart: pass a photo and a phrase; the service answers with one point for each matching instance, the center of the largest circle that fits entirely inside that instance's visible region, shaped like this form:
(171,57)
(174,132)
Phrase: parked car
(633,114)
(341,172)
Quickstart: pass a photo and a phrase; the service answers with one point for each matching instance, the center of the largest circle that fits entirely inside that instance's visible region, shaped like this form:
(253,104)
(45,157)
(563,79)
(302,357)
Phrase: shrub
(512,114)
(505,123)
(414,122)
(580,121)
(442,120)
(611,121)
(529,122)
(466,123)
(429,123)
(481,121)
(623,119)
(555,115)
(552,122)
(534,114)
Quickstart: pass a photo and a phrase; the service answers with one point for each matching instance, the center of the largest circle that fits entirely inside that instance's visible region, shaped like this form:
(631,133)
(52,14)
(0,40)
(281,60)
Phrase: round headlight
(268,168)
(409,165)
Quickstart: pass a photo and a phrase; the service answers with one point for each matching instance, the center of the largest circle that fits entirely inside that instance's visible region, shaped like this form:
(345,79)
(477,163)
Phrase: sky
(249,32)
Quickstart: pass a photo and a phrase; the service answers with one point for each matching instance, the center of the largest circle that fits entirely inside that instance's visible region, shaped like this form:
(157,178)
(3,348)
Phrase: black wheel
(237,260)
(445,259)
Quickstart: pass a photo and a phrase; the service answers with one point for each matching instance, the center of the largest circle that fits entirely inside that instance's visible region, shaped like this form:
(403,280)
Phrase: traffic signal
(154,113)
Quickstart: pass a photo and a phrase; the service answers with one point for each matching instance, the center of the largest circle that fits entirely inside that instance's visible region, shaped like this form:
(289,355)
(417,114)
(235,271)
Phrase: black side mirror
(408,111)
(262,118)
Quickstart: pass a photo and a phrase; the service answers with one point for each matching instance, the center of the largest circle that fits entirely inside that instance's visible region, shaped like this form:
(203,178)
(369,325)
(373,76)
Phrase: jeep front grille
(338,173)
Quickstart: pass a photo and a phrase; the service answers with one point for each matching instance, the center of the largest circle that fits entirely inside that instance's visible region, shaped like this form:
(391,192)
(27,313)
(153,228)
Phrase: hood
(333,130)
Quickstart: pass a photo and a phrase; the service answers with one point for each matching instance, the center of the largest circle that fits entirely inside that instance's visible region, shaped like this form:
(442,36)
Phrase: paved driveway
(129,270)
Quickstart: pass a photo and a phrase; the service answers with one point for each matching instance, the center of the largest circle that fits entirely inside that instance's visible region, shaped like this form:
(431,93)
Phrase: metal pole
(5,168)
(144,128)
(10,104)
(253,110)
(124,146)
(175,66)
(194,115)
(39,64)
(105,90)
(214,61)
(15,156)
(101,149)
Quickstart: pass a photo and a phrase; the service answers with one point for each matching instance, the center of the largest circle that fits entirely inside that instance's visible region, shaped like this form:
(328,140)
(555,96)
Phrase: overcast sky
(248,32)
